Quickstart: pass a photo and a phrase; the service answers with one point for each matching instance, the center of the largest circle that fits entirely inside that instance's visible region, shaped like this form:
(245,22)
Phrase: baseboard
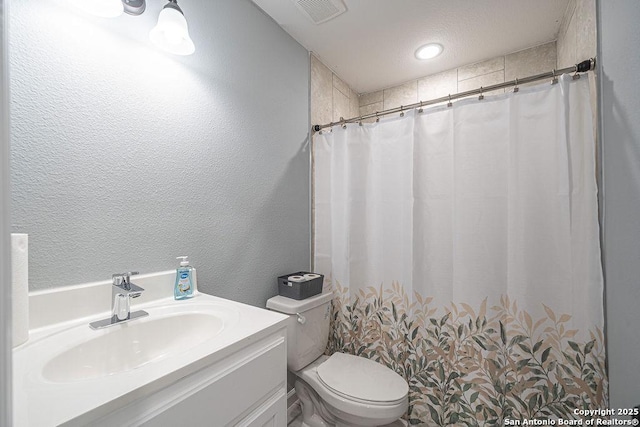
(293,406)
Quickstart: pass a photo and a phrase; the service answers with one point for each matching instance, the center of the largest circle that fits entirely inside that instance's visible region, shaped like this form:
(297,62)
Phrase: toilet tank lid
(292,306)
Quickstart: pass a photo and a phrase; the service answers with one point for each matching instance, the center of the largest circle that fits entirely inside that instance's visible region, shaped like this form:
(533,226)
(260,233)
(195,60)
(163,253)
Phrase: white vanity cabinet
(205,361)
(245,388)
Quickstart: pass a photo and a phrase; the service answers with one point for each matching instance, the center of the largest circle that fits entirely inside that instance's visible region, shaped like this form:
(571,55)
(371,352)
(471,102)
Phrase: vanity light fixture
(429,51)
(172,33)
(134,7)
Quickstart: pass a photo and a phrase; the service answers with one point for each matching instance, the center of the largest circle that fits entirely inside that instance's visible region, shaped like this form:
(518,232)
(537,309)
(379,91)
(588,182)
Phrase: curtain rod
(584,66)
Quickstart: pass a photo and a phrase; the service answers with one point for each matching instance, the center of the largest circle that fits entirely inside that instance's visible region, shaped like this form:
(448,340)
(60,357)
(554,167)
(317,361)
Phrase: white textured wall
(619,37)
(124,157)
(5,251)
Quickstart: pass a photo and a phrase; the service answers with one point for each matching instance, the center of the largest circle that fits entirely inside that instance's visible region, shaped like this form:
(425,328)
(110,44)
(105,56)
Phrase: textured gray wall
(620,126)
(124,157)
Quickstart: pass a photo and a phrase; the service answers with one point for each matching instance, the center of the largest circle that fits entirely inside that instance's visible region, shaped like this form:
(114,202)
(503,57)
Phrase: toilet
(341,389)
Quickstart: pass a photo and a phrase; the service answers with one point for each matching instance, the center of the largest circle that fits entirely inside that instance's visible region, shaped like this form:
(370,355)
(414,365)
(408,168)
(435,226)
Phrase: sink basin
(128,346)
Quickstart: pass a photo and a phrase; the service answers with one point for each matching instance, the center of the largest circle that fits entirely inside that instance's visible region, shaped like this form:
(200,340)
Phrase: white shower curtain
(477,223)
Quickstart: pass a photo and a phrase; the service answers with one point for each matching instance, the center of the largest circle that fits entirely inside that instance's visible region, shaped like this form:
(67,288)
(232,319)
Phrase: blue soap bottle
(184,280)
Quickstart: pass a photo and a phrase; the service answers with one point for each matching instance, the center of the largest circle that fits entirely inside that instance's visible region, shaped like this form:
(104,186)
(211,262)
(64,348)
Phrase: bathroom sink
(70,374)
(125,347)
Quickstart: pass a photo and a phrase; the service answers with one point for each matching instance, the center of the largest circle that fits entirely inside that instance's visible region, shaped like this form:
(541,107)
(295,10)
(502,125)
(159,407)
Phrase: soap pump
(184,280)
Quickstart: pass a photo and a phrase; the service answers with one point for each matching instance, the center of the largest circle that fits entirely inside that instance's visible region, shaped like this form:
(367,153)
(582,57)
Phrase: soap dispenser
(184,280)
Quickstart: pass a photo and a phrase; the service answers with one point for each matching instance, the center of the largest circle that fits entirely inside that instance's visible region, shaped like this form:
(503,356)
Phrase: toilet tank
(307,329)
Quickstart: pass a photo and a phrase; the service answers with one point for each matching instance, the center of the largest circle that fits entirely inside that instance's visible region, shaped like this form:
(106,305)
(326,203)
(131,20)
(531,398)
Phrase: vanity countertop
(53,393)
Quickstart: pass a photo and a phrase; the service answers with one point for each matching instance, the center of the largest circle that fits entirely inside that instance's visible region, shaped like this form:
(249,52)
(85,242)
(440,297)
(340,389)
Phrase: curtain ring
(516,88)
(420,110)
(481,97)
(449,104)
(554,80)
(343,123)
(401,111)
(360,121)
(377,117)
(576,76)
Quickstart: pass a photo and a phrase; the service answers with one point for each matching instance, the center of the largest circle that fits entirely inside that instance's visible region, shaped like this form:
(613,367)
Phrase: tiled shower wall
(577,41)
(535,60)
(331,98)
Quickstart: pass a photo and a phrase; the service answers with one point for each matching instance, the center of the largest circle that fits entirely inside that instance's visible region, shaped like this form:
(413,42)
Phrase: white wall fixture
(172,33)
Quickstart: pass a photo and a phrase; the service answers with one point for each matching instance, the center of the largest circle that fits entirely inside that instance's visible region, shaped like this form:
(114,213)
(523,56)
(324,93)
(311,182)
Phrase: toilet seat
(362,380)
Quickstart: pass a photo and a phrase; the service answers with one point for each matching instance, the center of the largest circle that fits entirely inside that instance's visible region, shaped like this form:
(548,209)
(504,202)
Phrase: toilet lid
(362,379)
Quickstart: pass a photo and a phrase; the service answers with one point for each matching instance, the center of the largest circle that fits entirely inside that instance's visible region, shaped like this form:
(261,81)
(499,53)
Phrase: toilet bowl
(349,401)
(341,389)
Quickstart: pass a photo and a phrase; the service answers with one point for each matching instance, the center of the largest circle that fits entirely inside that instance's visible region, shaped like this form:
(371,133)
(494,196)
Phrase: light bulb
(429,51)
(172,32)
(173,36)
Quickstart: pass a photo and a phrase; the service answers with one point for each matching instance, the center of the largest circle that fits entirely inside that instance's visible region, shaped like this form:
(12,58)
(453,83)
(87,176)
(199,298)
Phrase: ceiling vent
(320,11)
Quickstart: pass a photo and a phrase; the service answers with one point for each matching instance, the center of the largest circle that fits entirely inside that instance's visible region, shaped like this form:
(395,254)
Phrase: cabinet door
(273,413)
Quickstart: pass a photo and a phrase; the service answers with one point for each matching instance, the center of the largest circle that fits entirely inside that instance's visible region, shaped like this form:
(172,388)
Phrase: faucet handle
(117,279)
(127,276)
(120,279)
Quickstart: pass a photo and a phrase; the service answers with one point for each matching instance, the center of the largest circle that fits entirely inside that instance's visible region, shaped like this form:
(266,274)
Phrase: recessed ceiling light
(429,51)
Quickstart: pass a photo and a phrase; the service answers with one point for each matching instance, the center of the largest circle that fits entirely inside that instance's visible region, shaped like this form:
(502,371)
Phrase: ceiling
(372,45)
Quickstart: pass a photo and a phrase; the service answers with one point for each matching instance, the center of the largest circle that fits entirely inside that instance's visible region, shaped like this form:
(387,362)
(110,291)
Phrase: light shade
(429,51)
(103,8)
(172,33)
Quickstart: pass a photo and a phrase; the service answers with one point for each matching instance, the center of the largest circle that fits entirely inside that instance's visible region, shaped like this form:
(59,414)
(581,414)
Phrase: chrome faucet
(122,291)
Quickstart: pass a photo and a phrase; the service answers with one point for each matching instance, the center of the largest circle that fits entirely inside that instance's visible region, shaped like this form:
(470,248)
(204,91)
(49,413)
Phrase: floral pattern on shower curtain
(462,248)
